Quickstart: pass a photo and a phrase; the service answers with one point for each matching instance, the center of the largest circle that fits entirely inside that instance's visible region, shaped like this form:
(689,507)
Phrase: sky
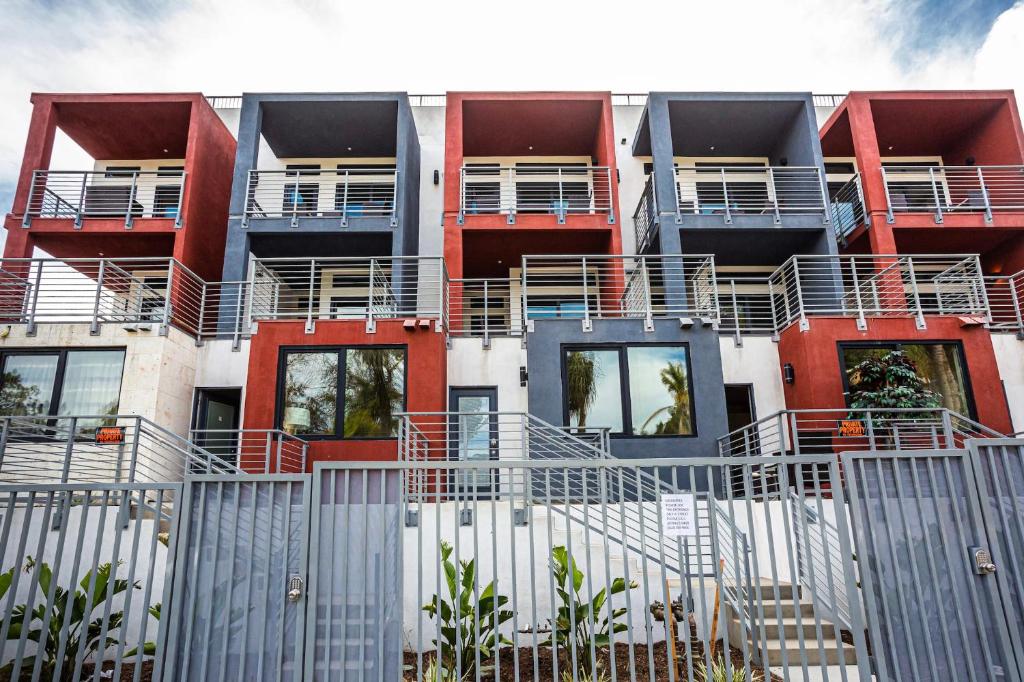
(231,46)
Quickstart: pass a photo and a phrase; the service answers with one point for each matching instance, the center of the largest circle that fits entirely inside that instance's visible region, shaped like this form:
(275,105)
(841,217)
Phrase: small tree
(889,382)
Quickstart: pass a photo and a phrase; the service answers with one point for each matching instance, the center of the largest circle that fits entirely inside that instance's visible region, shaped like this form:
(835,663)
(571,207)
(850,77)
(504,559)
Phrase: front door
(474,436)
(215,424)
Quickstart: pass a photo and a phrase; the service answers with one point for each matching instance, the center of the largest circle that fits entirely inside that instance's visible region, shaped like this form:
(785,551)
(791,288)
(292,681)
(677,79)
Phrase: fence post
(871,429)
(917,295)
(984,196)
(461,219)
(611,202)
(804,324)
(202,312)
(862,322)
(131,200)
(250,198)
(30,323)
(371,324)
(181,200)
(65,473)
(947,429)
(266,452)
(3,440)
(935,195)
(735,311)
(561,201)
(81,202)
(165,322)
(587,324)
(825,201)
(94,326)
(775,195)
(1018,313)
(889,217)
(279,437)
(312,286)
(487,317)
(794,434)
(522,286)
(860,197)
(26,220)
(344,201)
(394,198)
(648,310)
(295,201)
(725,197)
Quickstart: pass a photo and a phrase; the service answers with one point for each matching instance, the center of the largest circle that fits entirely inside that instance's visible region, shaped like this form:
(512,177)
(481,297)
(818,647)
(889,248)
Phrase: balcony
(731,191)
(339,194)
(945,190)
(110,194)
(1006,302)
(537,189)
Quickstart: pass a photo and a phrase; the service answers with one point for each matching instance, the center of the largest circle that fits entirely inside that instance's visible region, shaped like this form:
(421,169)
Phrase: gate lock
(294,588)
(982,561)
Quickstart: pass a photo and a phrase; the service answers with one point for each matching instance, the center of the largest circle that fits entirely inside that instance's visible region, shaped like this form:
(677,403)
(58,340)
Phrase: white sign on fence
(679,515)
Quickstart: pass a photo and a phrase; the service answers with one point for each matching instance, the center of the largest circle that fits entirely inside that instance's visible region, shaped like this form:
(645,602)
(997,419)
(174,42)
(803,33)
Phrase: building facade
(373,276)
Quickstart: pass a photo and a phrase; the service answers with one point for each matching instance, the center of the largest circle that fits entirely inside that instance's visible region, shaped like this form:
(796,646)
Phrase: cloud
(229,46)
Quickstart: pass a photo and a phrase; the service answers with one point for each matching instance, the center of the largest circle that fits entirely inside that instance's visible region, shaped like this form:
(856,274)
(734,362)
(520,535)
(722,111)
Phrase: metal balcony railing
(254,450)
(953,189)
(121,194)
(640,287)
(645,217)
(745,303)
(486,307)
(876,285)
(346,289)
(342,194)
(847,207)
(1006,302)
(138,293)
(129,449)
(487,189)
(732,191)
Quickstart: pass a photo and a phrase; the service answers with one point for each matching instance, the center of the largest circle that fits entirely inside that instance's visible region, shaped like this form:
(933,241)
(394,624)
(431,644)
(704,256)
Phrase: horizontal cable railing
(953,189)
(99,449)
(877,285)
(828,100)
(122,194)
(820,562)
(847,207)
(639,287)
(254,450)
(746,305)
(645,217)
(1006,302)
(491,189)
(486,307)
(348,289)
(732,191)
(341,194)
(138,293)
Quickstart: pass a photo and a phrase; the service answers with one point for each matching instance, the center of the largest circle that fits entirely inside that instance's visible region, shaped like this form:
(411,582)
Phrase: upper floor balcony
(326,162)
(152,168)
(725,161)
(530,160)
(927,171)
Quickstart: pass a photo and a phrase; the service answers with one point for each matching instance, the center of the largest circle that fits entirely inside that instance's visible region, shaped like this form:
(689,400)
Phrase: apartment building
(645,273)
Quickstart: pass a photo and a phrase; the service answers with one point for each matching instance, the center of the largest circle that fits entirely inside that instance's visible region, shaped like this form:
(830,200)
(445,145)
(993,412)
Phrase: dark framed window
(165,196)
(941,365)
(347,392)
(39,383)
(635,389)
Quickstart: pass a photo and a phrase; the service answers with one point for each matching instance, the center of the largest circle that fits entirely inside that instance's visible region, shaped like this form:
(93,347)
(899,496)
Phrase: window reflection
(659,391)
(310,393)
(593,389)
(374,391)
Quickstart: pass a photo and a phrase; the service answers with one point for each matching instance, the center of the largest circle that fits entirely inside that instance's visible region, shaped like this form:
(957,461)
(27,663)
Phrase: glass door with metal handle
(473,436)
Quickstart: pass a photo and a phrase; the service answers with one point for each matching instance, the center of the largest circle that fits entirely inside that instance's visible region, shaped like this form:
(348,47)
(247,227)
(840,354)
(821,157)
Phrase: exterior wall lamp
(788,373)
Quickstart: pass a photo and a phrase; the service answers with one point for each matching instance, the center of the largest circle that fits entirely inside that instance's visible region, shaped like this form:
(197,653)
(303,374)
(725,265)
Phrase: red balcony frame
(127,126)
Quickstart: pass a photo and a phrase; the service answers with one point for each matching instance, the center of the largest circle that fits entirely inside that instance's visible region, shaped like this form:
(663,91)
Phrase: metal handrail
(847,207)
(559,190)
(1006,302)
(69,449)
(732,191)
(645,217)
(121,194)
(342,194)
(952,189)
(255,450)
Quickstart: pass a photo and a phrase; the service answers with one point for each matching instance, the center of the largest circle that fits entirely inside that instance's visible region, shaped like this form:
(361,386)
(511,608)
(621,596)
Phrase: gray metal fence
(83,580)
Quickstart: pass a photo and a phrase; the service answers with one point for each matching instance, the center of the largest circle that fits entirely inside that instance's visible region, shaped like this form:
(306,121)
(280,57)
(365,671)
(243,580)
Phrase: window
(941,366)
(300,197)
(78,382)
(370,382)
(639,390)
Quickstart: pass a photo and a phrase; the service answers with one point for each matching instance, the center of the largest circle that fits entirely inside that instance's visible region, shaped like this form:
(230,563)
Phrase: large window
(68,382)
(941,367)
(638,390)
(342,392)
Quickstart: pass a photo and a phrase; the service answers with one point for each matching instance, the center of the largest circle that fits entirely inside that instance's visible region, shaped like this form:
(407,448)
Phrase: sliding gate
(241,608)
(940,545)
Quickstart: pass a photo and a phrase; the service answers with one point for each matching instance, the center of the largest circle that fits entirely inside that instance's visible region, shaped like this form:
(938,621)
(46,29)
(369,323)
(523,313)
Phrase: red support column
(869,163)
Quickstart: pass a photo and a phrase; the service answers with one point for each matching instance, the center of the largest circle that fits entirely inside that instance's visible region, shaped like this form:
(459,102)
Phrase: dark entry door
(215,424)
(474,436)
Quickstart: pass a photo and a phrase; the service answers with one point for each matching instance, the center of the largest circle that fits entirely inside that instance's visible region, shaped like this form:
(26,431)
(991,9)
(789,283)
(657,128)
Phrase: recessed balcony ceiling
(127,130)
(733,128)
(530,127)
(318,129)
(927,127)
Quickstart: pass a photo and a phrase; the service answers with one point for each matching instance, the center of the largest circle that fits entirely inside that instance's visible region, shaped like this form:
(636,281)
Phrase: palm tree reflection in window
(581,386)
(374,392)
(678,417)
(310,393)
(659,391)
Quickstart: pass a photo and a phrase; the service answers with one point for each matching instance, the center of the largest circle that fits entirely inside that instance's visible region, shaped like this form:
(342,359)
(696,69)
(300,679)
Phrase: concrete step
(788,629)
(773,651)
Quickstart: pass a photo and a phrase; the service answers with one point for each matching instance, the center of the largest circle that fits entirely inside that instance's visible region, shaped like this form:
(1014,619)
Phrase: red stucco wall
(814,355)
(426,373)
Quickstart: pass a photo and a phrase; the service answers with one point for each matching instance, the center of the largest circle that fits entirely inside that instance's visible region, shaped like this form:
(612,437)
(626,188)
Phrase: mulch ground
(127,672)
(545,668)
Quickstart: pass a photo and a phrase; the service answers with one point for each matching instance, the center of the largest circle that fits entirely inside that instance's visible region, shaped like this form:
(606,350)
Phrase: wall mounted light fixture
(437,177)
(788,373)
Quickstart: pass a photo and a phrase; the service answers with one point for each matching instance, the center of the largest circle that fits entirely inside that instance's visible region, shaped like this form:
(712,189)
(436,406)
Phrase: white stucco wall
(470,365)
(631,170)
(159,371)
(1010,360)
(218,366)
(430,129)
(755,362)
